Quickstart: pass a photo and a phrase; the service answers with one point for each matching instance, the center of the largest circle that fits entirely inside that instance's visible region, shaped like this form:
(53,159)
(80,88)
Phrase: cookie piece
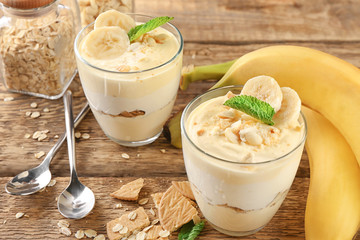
(184,188)
(129,191)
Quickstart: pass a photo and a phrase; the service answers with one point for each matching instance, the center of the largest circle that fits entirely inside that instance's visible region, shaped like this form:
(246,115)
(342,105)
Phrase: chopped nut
(143,201)
(35,115)
(164,233)
(99,237)
(52,183)
(63,223)
(78,135)
(200,132)
(163,150)
(8,99)
(85,136)
(80,234)
(132,216)
(117,228)
(33,105)
(46,110)
(90,233)
(39,154)
(125,155)
(66,231)
(19,215)
(27,135)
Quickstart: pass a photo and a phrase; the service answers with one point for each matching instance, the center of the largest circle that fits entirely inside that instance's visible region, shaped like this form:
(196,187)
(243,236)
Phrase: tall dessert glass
(237,198)
(131,107)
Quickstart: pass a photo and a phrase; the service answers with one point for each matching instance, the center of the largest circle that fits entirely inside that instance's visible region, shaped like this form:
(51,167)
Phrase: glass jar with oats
(90,9)
(36,45)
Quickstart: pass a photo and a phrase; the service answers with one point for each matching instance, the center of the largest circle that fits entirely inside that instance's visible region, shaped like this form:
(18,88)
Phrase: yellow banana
(325,83)
(333,203)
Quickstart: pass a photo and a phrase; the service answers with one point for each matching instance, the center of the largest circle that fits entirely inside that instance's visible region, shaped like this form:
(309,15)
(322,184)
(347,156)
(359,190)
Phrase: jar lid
(26,4)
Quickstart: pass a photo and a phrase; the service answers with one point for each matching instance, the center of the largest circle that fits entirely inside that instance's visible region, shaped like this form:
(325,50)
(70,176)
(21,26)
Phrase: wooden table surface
(214,31)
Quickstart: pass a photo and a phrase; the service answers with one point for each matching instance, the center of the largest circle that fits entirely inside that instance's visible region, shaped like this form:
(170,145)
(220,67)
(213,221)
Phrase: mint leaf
(252,106)
(190,231)
(141,29)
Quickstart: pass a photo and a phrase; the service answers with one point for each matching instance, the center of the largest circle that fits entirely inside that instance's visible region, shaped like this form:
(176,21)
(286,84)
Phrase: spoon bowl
(33,180)
(77,200)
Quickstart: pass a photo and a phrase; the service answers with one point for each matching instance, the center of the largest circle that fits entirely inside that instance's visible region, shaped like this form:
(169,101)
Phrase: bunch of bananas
(330,92)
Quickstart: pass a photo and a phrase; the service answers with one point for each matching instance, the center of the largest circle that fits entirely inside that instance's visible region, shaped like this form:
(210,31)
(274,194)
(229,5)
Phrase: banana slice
(114,18)
(105,43)
(290,108)
(264,88)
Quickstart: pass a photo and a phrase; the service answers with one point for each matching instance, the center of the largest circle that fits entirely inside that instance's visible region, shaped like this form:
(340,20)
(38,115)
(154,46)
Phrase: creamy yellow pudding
(131,86)
(240,168)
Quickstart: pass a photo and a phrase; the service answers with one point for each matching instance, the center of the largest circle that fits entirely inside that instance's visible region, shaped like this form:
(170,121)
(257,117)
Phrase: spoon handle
(62,138)
(69,122)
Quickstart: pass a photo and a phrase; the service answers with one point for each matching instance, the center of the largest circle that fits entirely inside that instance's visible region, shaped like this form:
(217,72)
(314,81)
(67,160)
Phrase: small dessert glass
(237,199)
(131,107)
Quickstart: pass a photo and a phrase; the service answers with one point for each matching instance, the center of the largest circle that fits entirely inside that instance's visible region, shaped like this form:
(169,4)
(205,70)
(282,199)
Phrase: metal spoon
(77,200)
(33,180)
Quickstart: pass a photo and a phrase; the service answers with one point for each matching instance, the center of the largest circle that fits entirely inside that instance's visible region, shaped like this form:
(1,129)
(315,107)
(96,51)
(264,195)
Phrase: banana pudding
(240,168)
(131,85)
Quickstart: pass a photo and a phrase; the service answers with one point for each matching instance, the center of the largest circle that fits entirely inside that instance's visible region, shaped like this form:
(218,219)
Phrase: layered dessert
(131,86)
(241,168)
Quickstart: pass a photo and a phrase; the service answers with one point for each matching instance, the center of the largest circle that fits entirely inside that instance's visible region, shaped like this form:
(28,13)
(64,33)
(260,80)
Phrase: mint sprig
(252,106)
(190,231)
(141,29)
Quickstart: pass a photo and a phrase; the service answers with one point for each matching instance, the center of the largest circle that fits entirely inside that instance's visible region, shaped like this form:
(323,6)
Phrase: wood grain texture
(41,208)
(237,21)
(214,32)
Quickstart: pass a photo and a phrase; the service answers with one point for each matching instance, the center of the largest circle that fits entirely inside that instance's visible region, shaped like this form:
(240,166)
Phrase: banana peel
(333,203)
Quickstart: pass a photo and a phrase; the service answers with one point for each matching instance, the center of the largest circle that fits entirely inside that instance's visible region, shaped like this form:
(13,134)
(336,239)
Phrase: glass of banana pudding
(240,168)
(131,86)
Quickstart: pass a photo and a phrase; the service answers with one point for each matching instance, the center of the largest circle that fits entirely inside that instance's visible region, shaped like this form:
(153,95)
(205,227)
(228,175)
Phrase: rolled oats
(35,114)
(28,114)
(77,135)
(46,110)
(90,233)
(164,233)
(19,215)
(66,231)
(80,234)
(52,183)
(132,216)
(125,156)
(39,154)
(100,237)
(27,135)
(37,53)
(143,201)
(117,228)
(90,9)
(85,136)
(8,99)
(63,223)
(33,105)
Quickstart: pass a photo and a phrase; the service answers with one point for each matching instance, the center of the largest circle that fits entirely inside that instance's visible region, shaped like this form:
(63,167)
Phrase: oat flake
(66,231)
(63,223)
(141,236)
(8,99)
(80,234)
(152,212)
(46,110)
(35,115)
(85,136)
(164,233)
(155,221)
(132,215)
(117,228)
(33,105)
(125,155)
(28,114)
(39,154)
(19,215)
(90,233)
(77,135)
(119,205)
(52,183)
(100,237)
(27,135)
(143,201)
(124,230)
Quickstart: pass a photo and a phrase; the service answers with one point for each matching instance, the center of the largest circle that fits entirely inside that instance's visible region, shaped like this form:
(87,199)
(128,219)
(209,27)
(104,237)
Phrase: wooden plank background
(214,31)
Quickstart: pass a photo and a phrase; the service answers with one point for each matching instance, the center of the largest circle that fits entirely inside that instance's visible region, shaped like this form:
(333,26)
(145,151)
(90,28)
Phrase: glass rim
(183,130)
(78,55)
